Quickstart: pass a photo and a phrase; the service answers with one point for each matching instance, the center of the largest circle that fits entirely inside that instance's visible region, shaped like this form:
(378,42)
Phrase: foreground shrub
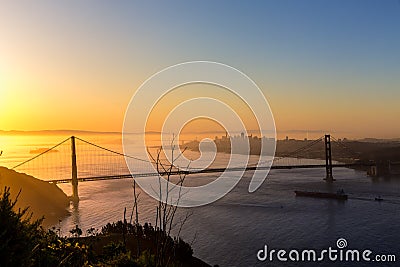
(18,235)
(23,242)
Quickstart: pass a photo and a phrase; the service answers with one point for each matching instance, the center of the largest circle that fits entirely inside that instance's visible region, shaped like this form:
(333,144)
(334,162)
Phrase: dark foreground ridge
(24,242)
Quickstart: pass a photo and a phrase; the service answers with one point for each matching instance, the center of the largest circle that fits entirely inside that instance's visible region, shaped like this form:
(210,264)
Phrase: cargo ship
(340,195)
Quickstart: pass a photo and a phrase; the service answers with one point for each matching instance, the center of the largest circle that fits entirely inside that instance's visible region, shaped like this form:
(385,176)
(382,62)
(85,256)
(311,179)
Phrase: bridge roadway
(208,170)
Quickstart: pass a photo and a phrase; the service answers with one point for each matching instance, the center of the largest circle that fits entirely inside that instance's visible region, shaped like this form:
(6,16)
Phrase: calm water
(230,231)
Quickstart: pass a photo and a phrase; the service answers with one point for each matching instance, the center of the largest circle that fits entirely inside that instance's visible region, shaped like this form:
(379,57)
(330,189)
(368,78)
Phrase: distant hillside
(43,198)
(53,132)
(377,140)
(62,132)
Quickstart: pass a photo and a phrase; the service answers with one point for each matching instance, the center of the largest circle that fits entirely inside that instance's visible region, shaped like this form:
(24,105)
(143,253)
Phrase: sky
(329,66)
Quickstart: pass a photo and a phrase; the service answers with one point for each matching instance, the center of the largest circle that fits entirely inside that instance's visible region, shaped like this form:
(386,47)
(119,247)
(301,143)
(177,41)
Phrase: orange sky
(72,68)
(31,101)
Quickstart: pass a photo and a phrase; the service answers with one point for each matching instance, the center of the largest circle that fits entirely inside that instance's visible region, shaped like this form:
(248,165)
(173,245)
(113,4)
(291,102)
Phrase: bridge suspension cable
(40,154)
(96,162)
(109,150)
(303,149)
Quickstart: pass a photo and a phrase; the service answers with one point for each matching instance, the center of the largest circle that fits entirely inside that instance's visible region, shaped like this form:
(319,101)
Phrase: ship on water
(339,195)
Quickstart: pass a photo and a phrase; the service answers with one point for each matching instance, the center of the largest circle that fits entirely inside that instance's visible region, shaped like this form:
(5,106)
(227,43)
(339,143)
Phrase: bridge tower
(328,158)
(74,177)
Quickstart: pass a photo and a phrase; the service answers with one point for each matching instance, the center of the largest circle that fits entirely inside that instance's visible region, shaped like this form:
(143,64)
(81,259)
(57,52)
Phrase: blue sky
(307,56)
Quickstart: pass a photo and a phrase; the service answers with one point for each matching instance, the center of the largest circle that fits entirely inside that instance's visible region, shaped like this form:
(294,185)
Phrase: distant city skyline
(196,135)
(323,66)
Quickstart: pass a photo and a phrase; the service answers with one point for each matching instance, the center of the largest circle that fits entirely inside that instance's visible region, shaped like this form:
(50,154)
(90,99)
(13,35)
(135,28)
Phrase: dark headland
(42,198)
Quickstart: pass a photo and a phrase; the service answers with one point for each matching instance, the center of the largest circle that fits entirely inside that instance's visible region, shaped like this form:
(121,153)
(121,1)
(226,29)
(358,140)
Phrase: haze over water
(230,231)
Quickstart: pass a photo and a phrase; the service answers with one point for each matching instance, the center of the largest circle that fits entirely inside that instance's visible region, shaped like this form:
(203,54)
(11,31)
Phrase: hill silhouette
(43,198)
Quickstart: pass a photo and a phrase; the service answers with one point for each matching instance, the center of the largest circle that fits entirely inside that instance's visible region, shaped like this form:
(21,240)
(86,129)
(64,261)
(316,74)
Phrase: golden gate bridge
(77,160)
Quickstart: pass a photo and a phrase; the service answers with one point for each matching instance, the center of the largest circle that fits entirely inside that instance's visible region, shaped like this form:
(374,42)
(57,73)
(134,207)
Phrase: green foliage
(122,260)
(116,254)
(172,246)
(18,234)
(76,232)
(24,242)
(146,259)
(182,250)
(91,232)
(112,250)
(59,251)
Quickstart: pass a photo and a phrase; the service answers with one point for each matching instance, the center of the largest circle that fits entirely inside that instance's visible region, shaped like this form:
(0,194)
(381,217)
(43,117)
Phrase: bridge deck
(209,170)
